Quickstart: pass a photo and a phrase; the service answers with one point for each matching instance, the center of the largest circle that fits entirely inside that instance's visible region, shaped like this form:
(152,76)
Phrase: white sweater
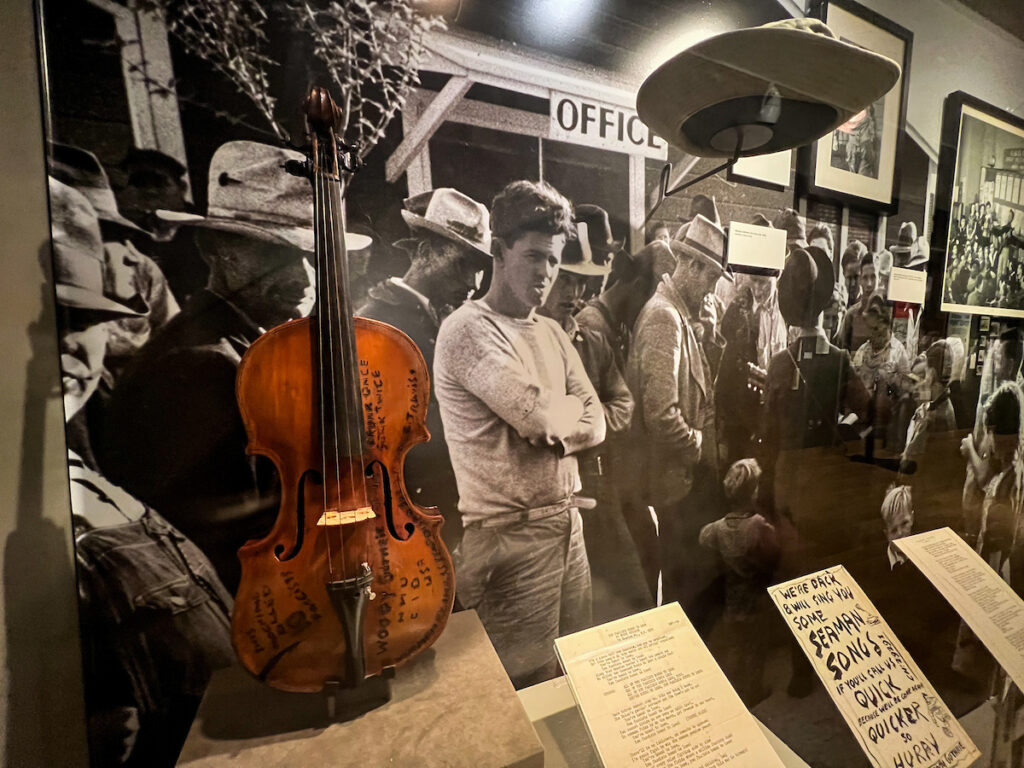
(516,404)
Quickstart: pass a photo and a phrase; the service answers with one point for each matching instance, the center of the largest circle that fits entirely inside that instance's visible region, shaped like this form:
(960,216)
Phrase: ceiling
(627,36)
(1007,14)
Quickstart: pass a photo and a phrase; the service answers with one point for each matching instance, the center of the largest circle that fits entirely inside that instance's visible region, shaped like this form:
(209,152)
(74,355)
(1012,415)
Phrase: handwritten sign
(652,696)
(894,712)
(597,124)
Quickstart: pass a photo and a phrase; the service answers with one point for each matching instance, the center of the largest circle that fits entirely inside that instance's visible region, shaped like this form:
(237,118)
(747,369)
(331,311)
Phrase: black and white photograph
(369,334)
(984,265)
(857,143)
(859,162)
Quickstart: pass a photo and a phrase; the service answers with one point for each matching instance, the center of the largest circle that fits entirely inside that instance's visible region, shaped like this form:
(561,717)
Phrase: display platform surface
(453,705)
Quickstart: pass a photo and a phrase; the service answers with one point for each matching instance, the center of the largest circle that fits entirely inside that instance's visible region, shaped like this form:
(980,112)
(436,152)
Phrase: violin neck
(340,374)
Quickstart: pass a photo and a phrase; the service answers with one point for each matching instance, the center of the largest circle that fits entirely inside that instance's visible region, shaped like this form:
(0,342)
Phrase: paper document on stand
(987,603)
(652,696)
(894,712)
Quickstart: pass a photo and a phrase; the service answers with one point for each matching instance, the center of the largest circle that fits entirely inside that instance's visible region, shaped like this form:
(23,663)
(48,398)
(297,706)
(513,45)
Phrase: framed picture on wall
(858,163)
(770,171)
(980,144)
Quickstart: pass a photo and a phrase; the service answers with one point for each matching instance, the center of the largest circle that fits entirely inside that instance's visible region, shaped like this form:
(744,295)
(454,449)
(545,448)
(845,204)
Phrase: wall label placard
(607,126)
(751,245)
(895,714)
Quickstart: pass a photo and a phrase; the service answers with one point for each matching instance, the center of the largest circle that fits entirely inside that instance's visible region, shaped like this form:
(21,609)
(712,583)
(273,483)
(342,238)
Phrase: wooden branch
(430,120)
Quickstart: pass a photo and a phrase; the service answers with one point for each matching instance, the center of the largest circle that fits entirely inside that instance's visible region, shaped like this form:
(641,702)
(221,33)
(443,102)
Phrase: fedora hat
(81,170)
(452,215)
(78,260)
(790,220)
(805,286)
(910,250)
(591,251)
(705,240)
(249,193)
(769,88)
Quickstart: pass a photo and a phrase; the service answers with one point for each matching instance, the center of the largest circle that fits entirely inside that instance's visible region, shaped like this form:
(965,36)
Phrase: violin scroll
(324,116)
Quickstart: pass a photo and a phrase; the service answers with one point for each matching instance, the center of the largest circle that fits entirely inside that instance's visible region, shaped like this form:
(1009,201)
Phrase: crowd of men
(985,268)
(610,429)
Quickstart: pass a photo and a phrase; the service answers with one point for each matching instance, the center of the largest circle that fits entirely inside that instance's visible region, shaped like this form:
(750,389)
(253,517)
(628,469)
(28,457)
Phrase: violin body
(285,630)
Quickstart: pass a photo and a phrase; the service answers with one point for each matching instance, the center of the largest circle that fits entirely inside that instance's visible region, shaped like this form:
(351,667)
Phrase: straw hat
(250,193)
(78,253)
(780,85)
(590,252)
(451,214)
(705,240)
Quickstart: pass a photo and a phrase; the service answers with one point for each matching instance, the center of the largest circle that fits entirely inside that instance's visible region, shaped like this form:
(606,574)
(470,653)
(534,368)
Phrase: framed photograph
(973,210)
(769,171)
(858,163)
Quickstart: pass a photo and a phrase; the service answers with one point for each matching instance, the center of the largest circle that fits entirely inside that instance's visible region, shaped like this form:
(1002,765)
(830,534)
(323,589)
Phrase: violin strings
(354,400)
(325,394)
(332,187)
(331,301)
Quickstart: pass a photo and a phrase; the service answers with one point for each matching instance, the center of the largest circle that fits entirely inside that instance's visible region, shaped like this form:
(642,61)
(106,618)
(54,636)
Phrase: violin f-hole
(300,517)
(389,516)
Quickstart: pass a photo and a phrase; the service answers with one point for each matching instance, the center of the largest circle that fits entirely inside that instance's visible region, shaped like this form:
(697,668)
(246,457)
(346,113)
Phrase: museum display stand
(452,705)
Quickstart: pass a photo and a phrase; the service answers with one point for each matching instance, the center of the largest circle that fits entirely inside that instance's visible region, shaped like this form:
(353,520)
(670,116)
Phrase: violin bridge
(336,517)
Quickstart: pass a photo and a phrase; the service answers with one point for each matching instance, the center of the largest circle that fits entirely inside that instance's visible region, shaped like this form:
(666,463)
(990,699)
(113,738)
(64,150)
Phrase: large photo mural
(618,417)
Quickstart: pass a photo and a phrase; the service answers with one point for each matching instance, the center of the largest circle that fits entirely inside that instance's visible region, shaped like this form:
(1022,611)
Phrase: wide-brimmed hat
(590,252)
(790,220)
(787,83)
(78,261)
(453,215)
(906,238)
(805,286)
(910,250)
(705,240)
(81,170)
(249,193)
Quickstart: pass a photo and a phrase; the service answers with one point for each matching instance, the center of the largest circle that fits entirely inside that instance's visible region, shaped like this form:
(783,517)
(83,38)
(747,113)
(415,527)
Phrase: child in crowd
(749,549)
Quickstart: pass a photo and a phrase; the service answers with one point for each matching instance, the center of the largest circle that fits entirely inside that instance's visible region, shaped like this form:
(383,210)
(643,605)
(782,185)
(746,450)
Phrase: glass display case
(628,405)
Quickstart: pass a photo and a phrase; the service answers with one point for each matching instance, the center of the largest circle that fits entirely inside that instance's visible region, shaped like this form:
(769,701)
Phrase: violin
(353,577)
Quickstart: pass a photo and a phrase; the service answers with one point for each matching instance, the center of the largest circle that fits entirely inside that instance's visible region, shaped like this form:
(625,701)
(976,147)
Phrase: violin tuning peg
(298,168)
